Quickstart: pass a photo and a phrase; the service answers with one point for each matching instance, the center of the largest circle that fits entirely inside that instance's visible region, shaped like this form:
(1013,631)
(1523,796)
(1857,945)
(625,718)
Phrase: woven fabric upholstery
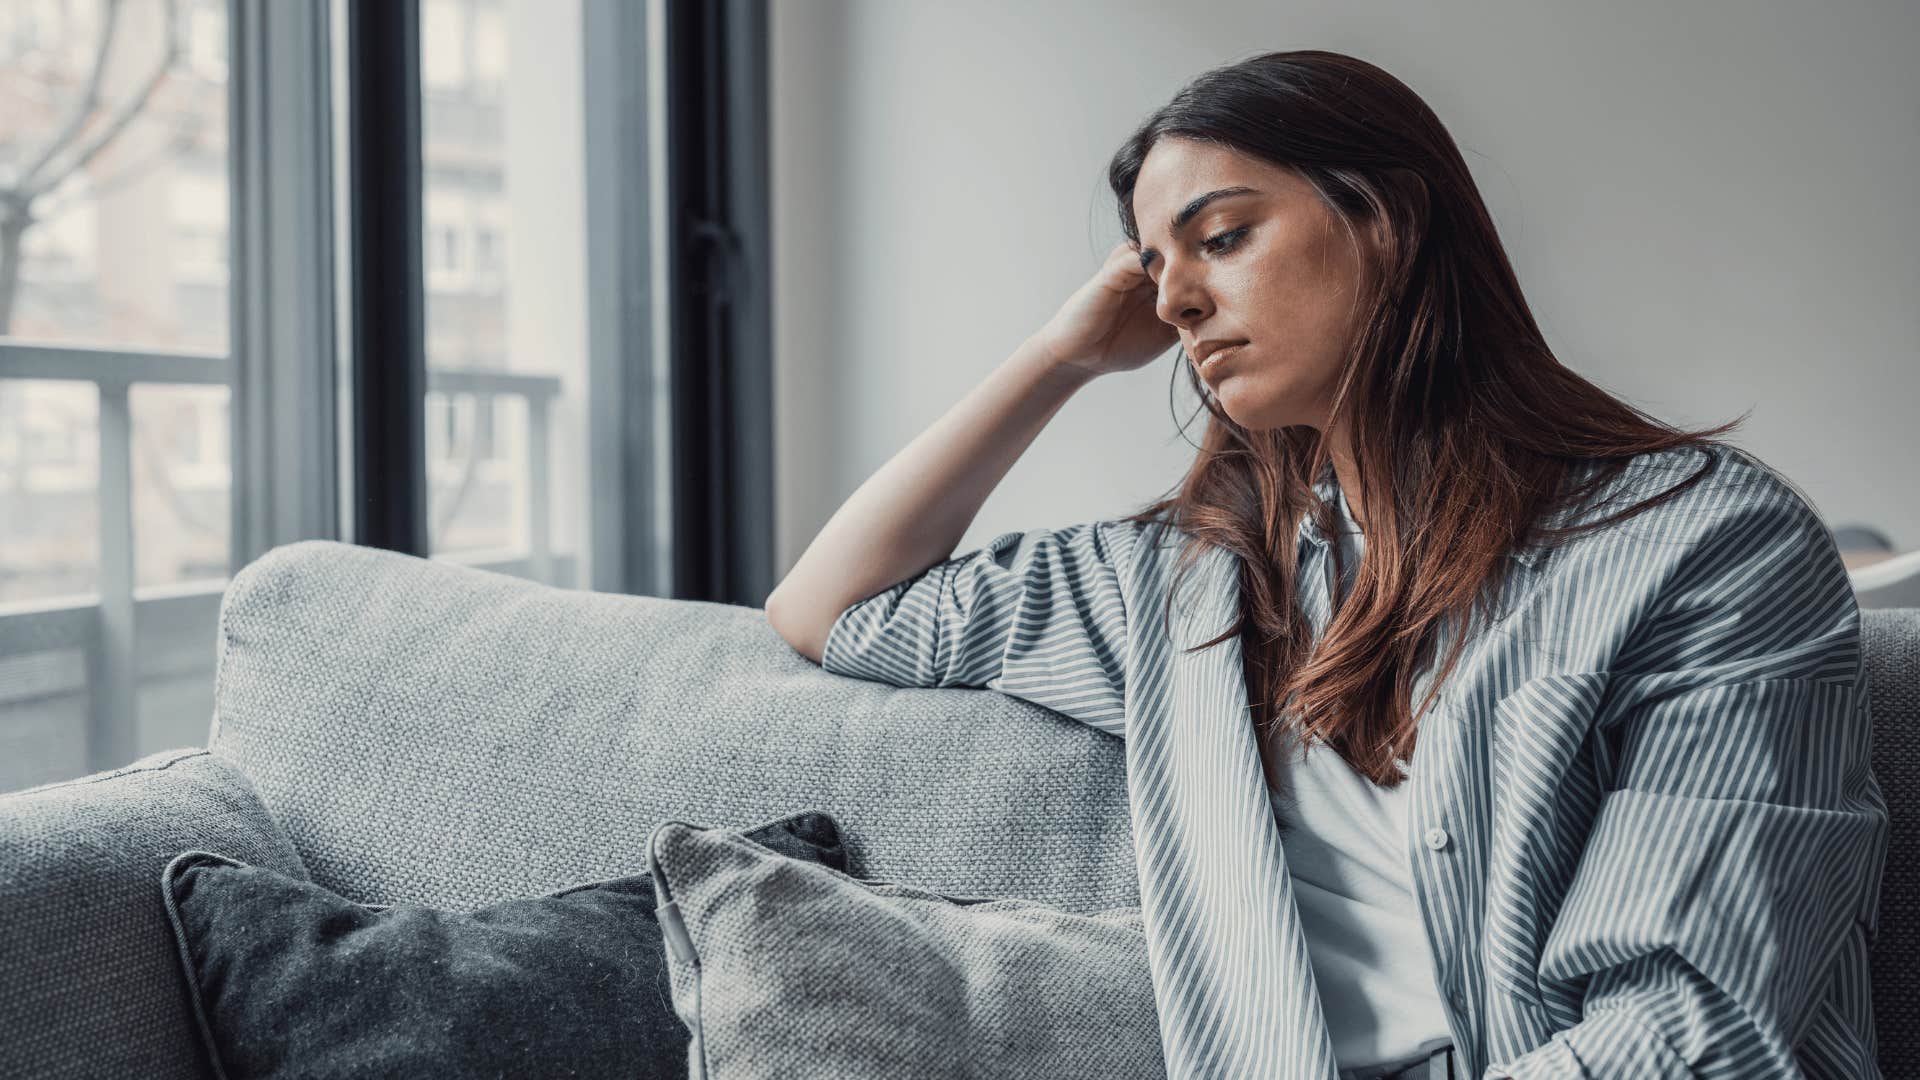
(294,981)
(1892,648)
(90,982)
(787,970)
(434,734)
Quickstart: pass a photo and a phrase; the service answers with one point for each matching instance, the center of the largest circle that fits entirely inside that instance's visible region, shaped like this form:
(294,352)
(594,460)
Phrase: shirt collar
(1327,487)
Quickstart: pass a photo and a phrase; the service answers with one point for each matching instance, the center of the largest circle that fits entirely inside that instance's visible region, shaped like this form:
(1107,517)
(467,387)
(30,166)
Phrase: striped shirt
(1647,841)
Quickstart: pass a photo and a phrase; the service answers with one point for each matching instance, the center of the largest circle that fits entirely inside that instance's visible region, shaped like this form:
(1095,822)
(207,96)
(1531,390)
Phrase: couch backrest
(1891,642)
(435,734)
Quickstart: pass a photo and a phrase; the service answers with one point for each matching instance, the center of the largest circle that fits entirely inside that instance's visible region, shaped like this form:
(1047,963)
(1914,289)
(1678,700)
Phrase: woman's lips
(1218,356)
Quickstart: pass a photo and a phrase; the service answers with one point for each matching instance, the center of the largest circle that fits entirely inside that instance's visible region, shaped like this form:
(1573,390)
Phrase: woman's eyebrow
(1189,212)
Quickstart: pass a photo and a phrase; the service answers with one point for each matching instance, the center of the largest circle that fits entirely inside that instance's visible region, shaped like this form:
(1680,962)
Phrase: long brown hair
(1468,435)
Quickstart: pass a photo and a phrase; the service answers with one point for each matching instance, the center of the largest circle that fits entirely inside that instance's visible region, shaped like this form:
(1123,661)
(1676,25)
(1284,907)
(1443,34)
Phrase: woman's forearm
(913,510)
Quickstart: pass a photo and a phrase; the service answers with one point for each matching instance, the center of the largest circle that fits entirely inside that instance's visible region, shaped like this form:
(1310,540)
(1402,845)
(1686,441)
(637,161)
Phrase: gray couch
(405,731)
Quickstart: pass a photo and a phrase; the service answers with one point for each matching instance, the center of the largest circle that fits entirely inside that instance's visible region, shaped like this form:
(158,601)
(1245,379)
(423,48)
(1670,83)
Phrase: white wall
(1710,207)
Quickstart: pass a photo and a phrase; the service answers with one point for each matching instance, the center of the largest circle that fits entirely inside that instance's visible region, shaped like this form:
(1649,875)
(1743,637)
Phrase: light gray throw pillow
(784,969)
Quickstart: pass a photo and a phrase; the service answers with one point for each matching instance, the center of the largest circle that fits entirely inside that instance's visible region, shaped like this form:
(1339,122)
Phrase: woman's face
(1273,268)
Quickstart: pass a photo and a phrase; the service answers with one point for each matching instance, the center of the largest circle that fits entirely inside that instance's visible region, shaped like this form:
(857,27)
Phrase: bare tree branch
(33,87)
(83,108)
(182,139)
(58,160)
(129,108)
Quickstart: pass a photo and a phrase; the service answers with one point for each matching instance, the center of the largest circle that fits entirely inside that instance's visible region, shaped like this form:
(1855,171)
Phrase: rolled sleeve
(1741,837)
(1038,614)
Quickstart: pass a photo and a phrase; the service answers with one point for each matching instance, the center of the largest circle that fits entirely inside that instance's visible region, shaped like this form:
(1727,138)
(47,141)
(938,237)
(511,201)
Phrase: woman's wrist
(1051,365)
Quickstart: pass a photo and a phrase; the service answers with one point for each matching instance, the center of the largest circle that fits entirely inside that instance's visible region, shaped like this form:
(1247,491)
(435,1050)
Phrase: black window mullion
(721,371)
(388,290)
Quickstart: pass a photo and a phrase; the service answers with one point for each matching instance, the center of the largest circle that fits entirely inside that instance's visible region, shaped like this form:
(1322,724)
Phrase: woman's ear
(1412,185)
(1376,250)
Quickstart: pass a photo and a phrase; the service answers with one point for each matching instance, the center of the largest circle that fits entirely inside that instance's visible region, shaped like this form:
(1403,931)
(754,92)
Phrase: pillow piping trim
(186,957)
(674,929)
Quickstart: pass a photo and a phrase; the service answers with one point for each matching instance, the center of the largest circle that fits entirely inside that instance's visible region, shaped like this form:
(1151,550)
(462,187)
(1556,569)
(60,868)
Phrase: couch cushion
(89,981)
(290,979)
(435,734)
(787,969)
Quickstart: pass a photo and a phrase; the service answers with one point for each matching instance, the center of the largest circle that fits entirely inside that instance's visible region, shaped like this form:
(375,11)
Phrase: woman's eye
(1217,244)
(1221,243)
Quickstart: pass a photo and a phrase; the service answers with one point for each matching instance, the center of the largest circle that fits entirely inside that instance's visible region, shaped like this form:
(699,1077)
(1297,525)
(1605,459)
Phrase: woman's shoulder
(1728,477)
(1703,490)
(1136,532)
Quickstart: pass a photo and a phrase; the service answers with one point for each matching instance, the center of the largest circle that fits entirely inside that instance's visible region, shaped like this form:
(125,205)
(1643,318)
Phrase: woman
(1640,837)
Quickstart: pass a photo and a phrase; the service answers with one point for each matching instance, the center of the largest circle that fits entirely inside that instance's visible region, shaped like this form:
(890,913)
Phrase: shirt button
(1436,838)
(1459,1002)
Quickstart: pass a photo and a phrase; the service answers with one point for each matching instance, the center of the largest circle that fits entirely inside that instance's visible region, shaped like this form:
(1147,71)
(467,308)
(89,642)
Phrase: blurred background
(630,296)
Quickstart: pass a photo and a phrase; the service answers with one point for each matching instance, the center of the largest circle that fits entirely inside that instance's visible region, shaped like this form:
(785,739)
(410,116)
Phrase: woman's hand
(1110,324)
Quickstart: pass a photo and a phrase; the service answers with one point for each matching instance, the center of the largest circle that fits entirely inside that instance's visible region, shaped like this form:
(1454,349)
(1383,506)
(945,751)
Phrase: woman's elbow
(804,635)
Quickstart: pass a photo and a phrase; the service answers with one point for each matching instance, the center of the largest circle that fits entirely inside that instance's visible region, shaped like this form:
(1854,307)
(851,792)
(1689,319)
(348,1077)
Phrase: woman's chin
(1254,412)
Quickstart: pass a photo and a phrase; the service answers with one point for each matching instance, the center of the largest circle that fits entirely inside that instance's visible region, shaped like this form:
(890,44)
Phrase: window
(486,256)
(444,67)
(115,485)
(176,366)
(197,209)
(443,253)
(503,157)
(206,42)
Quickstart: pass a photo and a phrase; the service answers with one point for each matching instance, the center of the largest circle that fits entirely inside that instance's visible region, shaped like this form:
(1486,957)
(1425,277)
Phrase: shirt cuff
(1609,1045)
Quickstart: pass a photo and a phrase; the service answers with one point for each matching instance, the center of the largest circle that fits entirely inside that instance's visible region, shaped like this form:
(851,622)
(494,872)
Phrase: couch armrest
(90,980)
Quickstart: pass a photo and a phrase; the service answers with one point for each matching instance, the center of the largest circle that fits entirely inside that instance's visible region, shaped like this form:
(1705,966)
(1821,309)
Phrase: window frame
(278,364)
(327,420)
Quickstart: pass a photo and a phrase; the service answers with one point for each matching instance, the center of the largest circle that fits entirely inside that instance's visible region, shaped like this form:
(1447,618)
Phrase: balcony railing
(174,624)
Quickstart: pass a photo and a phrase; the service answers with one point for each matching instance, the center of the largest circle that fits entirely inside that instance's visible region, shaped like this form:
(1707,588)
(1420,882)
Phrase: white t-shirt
(1346,841)
(1346,845)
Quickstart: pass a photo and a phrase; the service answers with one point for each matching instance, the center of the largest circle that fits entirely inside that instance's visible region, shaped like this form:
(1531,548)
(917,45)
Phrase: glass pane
(43,698)
(113,220)
(479,492)
(504,251)
(49,473)
(113,270)
(181,483)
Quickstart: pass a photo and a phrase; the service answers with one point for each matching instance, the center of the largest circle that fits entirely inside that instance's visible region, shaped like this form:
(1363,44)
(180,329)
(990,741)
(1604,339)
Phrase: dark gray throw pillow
(288,978)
